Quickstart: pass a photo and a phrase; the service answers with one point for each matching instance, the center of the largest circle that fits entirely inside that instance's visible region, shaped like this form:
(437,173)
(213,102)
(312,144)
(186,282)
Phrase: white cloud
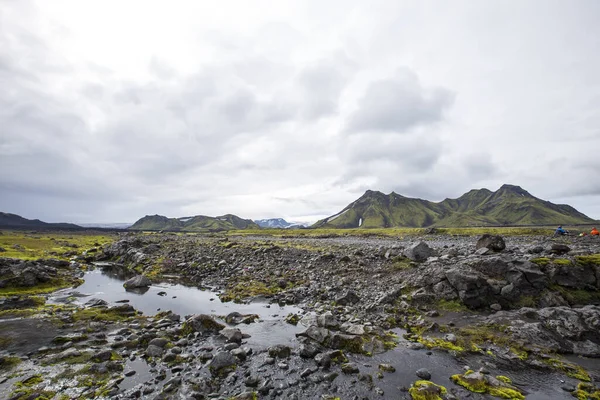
(112,110)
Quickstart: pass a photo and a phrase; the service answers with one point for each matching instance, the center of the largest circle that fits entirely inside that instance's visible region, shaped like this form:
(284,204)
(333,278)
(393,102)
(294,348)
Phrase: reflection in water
(137,290)
(185,300)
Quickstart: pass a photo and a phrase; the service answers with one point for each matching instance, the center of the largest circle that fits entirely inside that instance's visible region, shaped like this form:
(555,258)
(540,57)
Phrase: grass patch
(8,363)
(47,287)
(541,261)
(401,262)
(593,259)
(395,232)
(250,288)
(100,314)
(562,261)
(577,296)
(451,305)
(27,246)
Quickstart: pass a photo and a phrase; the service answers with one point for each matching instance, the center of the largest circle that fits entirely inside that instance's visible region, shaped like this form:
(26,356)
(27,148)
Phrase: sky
(112,110)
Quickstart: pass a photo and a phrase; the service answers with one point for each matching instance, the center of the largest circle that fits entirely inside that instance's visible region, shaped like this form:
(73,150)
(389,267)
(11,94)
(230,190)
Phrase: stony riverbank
(366,308)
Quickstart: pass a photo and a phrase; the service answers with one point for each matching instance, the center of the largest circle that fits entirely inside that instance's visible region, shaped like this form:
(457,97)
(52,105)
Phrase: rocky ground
(431,317)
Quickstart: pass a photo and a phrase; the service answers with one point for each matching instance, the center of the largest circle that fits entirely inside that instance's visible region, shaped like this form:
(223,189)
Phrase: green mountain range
(14,221)
(198,223)
(509,205)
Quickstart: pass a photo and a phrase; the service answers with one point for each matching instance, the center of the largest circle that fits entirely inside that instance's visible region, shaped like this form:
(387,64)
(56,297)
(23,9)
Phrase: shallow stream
(271,329)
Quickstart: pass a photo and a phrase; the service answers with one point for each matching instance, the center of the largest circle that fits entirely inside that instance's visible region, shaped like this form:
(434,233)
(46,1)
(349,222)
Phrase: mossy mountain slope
(509,205)
(195,223)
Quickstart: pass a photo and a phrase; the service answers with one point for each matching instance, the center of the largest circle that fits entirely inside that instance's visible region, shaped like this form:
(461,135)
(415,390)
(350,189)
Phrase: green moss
(401,262)
(426,390)
(572,370)
(8,363)
(31,381)
(451,305)
(586,391)
(292,319)
(100,314)
(504,379)
(47,287)
(479,384)
(526,301)
(521,353)
(541,261)
(562,261)
(245,289)
(25,246)
(437,343)
(577,296)
(593,259)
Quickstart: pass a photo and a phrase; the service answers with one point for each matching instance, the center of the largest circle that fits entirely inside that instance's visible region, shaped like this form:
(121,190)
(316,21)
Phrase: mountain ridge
(509,205)
(14,221)
(194,223)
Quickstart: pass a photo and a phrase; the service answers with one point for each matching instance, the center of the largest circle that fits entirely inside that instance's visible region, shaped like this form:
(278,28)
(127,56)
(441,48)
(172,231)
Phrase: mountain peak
(509,205)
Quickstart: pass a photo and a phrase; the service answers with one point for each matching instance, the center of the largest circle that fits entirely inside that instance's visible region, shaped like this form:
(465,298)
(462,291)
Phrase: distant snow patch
(336,216)
(186,219)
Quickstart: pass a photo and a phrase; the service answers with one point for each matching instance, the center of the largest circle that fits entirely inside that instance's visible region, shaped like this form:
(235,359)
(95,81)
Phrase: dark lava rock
(348,298)
(350,368)
(221,360)
(558,248)
(154,351)
(279,351)
(232,335)
(492,242)
(419,252)
(204,324)
(423,373)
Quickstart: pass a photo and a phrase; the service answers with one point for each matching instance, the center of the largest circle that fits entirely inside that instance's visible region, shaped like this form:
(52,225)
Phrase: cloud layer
(292,109)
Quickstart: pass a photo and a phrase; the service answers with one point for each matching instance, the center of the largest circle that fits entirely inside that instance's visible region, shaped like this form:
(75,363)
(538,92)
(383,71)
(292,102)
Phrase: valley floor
(239,316)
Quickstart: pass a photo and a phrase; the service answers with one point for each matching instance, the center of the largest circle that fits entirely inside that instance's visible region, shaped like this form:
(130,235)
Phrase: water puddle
(183,300)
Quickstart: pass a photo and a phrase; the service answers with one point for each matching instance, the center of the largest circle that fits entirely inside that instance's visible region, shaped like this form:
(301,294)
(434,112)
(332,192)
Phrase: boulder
(279,351)
(492,242)
(223,360)
(328,320)
(233,335)
(236,318)
(138,281)
(558,248)
(473,290)
(419,252)
(319,335)
(348,298)
(204,324)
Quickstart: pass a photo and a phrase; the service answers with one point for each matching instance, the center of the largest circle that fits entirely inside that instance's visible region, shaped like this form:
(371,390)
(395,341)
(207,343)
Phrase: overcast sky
(111,110)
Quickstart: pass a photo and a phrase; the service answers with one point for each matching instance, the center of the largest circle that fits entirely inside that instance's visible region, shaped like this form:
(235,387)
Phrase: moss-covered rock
(203,324)
(426,390)
(479,383)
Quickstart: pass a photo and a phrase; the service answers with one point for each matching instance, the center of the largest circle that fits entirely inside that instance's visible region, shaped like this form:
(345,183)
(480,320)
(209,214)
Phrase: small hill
(13,221)
(509,205)
(196,223)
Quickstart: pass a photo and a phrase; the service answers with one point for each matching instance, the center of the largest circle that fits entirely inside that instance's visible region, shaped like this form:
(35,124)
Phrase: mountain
(13,221)
(509,205)
(196,223)
(278,223)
